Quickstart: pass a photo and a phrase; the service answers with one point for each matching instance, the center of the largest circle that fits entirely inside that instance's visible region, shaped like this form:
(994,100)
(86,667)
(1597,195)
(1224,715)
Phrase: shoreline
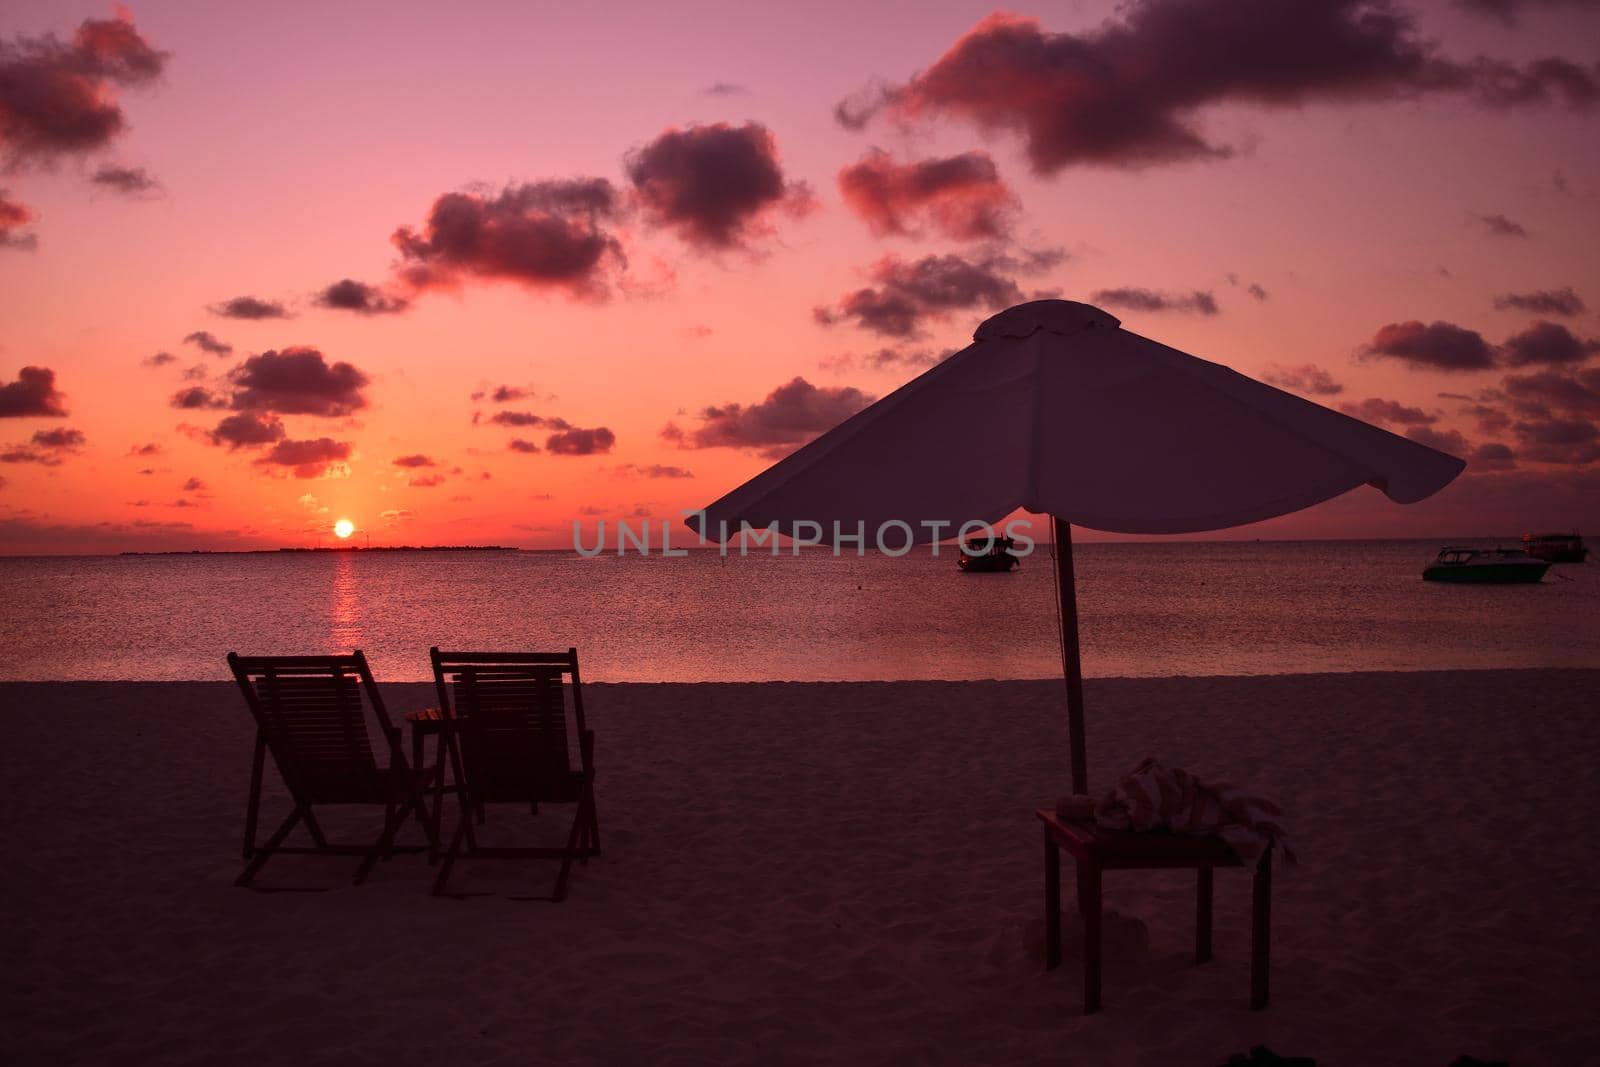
(820,871)
(386,683)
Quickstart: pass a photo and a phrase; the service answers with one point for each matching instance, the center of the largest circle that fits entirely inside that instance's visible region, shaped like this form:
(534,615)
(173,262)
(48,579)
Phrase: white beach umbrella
(1054,408)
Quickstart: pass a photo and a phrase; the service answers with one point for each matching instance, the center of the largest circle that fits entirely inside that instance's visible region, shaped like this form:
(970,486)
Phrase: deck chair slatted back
(311,714)
(516,721)
(514,733)
(317,728)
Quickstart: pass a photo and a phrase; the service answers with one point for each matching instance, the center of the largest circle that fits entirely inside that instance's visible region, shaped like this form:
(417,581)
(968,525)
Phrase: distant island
(327,548)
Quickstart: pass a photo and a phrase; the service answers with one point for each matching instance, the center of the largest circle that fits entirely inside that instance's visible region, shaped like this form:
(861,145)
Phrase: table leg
(1202,916)
(1089,908)
(1260,934)
(1052,902)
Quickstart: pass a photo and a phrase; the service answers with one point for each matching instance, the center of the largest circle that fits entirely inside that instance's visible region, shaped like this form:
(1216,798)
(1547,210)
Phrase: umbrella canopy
(1054,408)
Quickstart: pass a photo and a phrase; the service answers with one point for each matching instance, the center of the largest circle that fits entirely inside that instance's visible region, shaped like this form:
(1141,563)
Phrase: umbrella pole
(1071,665)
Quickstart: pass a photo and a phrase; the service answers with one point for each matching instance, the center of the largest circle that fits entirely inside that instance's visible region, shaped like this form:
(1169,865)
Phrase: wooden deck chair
(505,724)
(310,715)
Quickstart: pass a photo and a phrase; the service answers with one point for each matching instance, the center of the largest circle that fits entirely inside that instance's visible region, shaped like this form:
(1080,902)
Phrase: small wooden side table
(1096,850)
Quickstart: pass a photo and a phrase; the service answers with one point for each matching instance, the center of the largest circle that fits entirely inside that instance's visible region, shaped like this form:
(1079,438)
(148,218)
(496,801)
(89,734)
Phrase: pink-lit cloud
(61,97)
(961,196)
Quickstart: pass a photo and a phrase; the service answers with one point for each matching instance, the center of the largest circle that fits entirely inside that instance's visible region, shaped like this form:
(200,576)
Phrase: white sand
(806,873)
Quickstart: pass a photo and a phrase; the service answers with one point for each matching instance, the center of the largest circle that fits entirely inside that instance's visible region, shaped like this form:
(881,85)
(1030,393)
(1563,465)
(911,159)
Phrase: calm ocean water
(1147,609)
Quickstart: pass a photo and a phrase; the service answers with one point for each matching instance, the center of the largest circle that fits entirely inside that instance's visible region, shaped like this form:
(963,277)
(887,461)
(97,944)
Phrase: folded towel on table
(1154,797)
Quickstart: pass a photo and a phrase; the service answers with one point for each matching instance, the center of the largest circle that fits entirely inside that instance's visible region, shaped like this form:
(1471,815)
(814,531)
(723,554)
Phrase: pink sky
(1396,177)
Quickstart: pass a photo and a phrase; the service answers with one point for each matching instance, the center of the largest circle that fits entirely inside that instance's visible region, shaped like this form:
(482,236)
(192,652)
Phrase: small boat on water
(1485,565)
(987,556)
(1555,548)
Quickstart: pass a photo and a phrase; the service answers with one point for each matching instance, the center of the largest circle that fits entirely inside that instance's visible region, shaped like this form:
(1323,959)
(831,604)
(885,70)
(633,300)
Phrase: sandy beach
(809,873)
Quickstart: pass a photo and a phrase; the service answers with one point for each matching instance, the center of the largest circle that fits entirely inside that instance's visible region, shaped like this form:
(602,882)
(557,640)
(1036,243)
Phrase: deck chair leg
(560,892)
(264,853)
(385,843)
(252,810)
(1202,916)
(594,824)
(449,860)
(315,829)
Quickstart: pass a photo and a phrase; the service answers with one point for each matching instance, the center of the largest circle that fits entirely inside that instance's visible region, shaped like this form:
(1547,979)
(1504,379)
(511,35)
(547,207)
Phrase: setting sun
(344,528)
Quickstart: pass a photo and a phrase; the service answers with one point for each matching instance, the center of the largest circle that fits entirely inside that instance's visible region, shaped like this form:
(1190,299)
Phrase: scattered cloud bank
(1134,91)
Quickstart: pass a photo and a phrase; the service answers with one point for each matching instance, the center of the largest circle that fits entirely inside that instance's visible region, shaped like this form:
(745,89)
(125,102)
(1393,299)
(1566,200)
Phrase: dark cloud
(1439,345)
(158,359)
(1386,412)
(425,481)
(1256,291)
(197,397)
(791,415)
(654,470)
(1543,302)
(1197,302)
(249,307)
(193,485)
(414,461)
(542,235)
(517,444)
(578,441)
(310,459)
(885,359)
(62,439)
(248,429)
(724,89)
(298,381)
(203,340)
(48,448)
(1306,378)
(1509,11)
(347,294)
(13,217)
(1537,395)
(962,196)
(60,97)
(1491,420)
(1501,226)
(503,394)
(1492,456)
(1449,441)
(197,373)
(1546,342)
(715,186)
(906,292)
(1558,440)
(129,180)
(33,394)
(526,418)
(1132,92)
(145,450)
